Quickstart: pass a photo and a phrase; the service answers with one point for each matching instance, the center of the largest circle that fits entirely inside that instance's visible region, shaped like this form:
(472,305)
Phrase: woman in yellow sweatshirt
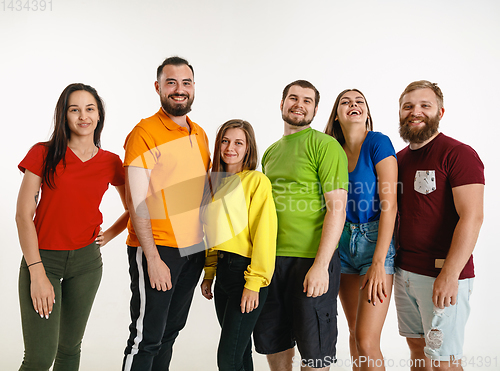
(240,223)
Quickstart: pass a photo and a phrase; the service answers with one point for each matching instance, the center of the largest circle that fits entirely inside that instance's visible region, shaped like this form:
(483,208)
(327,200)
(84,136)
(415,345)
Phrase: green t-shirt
(302,166)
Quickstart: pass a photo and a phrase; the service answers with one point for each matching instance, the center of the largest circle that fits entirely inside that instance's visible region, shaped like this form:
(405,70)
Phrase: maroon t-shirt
(425,200)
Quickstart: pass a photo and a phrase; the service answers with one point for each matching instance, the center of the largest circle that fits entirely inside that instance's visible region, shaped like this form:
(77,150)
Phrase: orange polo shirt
(178,162)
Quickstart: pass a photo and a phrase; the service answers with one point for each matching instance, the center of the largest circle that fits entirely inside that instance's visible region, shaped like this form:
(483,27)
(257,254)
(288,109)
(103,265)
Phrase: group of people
(331,214)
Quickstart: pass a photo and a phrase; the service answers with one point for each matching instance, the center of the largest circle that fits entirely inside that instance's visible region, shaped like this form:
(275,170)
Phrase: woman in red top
(60,236)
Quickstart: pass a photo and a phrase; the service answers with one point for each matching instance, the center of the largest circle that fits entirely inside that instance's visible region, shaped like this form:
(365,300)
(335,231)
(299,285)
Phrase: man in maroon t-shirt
(440,201)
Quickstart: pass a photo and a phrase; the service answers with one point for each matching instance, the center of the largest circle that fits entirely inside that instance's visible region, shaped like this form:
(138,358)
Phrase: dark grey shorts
(289,317)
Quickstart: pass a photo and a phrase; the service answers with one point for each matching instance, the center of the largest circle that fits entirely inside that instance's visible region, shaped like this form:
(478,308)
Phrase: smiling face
(176,89)
(298,108)
(233,148)
(352,109)
(82,113)
(419,116)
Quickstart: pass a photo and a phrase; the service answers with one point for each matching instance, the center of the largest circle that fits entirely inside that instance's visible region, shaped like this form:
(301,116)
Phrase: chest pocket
(425,181)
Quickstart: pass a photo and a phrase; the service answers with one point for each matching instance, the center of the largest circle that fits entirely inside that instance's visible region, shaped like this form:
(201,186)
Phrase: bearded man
(440,202)
(166,161)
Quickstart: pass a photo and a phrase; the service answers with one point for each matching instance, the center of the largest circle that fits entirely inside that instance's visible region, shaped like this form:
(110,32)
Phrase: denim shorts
(357,246)
(442,329)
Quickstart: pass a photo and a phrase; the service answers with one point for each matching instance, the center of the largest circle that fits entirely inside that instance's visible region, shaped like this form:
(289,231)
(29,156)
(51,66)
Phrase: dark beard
(176,110)
(412,135)
(300,123)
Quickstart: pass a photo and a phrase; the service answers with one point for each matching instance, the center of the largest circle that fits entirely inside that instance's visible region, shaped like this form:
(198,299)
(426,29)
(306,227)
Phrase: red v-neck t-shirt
(68,216)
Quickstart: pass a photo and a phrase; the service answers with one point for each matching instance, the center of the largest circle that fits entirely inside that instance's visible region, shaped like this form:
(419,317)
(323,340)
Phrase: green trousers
(75,275)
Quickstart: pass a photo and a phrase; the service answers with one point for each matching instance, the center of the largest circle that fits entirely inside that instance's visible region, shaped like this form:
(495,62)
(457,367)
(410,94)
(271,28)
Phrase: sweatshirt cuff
(253,285)
(209,273)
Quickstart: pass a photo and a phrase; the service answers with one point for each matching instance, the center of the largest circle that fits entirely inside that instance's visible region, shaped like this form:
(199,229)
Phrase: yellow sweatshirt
(242,219)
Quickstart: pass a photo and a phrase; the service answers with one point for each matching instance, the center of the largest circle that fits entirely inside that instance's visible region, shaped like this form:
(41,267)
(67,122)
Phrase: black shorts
(289,317)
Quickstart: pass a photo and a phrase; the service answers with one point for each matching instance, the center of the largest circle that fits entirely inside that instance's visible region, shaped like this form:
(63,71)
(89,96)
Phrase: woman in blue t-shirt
(366,245)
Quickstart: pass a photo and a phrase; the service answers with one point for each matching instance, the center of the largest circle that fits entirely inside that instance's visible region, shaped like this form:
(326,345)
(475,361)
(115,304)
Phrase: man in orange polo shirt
(166,161)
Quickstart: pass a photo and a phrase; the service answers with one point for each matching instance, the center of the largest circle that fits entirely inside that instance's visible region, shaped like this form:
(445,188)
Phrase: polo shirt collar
(171,125)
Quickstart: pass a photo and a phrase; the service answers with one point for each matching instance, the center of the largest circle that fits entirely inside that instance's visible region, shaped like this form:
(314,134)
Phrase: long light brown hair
(219,167)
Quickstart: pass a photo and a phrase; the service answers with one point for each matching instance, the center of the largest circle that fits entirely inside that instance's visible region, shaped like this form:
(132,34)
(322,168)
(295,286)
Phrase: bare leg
(315,369)
(369,323)
(281,361)
(448,365)
(419,361)
(348,294)
(422,363)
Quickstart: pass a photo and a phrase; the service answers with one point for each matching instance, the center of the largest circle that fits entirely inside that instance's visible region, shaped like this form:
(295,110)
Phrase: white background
(244,53)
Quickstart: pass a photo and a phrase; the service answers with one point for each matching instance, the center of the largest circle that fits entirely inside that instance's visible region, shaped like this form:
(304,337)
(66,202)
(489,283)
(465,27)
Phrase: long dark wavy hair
(219,167)
(333,126)
(58,142)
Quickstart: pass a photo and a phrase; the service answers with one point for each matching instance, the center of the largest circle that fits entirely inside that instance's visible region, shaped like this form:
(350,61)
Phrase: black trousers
(235,345)
(158,316)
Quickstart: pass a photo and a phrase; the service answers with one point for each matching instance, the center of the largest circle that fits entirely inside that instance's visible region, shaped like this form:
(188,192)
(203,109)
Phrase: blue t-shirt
(363,202)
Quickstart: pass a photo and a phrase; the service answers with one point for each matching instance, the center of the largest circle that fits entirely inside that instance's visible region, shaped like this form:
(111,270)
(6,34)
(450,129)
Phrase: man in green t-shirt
(308,171)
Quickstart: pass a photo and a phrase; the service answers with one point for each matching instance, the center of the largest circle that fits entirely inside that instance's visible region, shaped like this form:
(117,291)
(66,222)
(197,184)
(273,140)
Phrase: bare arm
(317,278)
(137,184)
(42,291)
(468,201)
(119,225)
(387,171)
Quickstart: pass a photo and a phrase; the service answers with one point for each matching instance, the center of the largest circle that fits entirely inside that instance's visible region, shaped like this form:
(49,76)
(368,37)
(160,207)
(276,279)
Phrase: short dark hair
(174,61)
(303,84)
